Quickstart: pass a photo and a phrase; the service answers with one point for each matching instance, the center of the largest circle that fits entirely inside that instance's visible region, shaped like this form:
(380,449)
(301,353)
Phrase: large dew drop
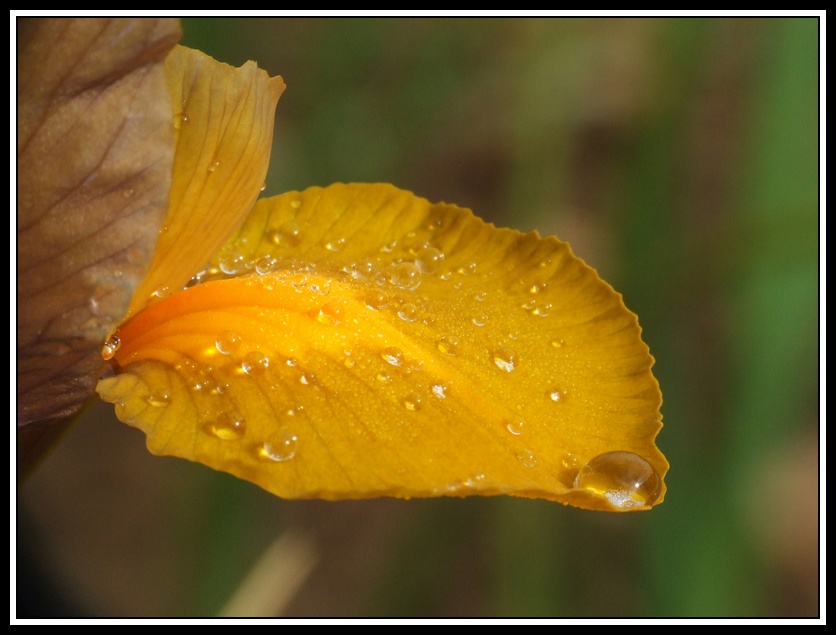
(625,479)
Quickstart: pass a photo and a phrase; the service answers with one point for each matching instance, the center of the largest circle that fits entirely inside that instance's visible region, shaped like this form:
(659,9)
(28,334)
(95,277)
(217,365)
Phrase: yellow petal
(380,345)
(94,162)
(223,120)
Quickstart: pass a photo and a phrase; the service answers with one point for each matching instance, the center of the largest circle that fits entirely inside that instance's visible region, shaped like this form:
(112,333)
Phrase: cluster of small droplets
(110,347)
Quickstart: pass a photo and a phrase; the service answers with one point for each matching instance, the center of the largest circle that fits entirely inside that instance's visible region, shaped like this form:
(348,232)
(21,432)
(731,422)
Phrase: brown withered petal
(95,148)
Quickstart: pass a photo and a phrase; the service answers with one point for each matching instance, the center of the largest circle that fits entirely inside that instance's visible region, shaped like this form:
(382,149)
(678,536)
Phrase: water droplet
(335,245)
(128,193)
(516,426)
(409,312)
(624,478)
(160,292)
(505,359)
(480,297)
(558,343)
(255,363)
(375,299)
(545,262)
(110,347)
(440,390)
(265,265)
(449,345)
(228,427)
(383,377)
(527,458)
(307,379)
(214,166)
(263,187)
(296,204)
(479,319)
(231,263)
(412,402)
(429,259)
(555,395)
(159,399)
(570,461)
(542,310)
(289,234)
(180,120)
(362,270)
(228,342)
(279,447)
(406,275)
(467,269)
(331,314)
(392,355)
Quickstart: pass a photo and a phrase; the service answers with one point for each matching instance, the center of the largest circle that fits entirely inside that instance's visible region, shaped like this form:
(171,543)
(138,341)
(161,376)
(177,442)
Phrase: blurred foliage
(680,158)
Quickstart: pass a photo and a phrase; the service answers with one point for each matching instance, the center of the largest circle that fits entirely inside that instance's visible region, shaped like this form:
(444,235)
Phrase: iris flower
(343,342)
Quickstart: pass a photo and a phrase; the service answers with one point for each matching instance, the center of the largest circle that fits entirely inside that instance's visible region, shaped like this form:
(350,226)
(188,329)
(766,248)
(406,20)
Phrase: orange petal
(374,344)
(94,163)
(223,120)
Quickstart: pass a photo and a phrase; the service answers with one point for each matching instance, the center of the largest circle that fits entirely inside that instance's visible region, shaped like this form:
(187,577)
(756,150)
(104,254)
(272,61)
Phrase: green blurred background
(679,157)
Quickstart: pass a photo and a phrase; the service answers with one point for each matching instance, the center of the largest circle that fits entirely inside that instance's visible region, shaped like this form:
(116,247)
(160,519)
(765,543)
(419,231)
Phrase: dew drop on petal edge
(624,478)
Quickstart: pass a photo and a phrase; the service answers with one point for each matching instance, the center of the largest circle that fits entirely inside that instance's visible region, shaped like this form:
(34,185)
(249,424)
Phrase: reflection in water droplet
(409,312)
(289,234)
(335,245)
(331,314)
(159,399)
(480,319)
(265,265)
(406,275)
(505,358)
(449,344)
(255,363)
(440,390)
(480,297)
(231,264)
(228,427)
(467,269)
(375,299)
(555,395)
(429,259)
(570,461)
(160,292)
(392,355)
(279,447)
(110,347)
(361,270)
(180,120)
(624,478)
(542,310)
(412,402)
(228,342)
(214,166)
(527,458)
(516,426)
